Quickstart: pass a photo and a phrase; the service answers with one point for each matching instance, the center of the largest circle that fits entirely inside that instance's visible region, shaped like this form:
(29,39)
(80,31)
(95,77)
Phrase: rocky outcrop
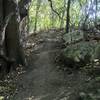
(80,54)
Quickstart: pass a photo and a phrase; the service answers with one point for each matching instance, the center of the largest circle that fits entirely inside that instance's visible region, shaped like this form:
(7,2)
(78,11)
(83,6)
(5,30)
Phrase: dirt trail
(44,81)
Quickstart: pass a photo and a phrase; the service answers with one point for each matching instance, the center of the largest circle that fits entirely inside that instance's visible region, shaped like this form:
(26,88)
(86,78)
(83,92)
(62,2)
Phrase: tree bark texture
(10,48)
(68,16)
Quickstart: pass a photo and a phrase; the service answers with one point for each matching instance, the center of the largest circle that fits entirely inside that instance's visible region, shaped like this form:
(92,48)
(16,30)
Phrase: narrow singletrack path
(43,81)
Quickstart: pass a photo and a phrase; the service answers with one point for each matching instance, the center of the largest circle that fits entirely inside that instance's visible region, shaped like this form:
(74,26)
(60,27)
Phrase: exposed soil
(43,80)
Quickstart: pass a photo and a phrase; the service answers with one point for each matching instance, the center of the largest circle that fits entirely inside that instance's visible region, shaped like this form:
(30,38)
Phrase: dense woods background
(48,14)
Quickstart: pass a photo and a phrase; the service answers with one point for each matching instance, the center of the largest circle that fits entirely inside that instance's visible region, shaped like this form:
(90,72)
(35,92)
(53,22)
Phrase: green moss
(84,52)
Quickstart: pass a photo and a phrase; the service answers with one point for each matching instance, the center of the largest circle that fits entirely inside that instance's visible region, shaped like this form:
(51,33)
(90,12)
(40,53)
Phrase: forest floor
(43,80)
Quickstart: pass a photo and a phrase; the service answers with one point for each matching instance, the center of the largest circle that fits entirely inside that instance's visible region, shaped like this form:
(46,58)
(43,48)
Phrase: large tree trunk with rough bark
(11,51)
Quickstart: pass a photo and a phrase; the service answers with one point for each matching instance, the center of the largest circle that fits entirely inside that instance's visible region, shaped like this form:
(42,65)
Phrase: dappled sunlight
(49,50)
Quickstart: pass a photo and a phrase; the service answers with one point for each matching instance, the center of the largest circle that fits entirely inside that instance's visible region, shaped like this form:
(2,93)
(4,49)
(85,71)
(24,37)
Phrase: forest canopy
(44,16)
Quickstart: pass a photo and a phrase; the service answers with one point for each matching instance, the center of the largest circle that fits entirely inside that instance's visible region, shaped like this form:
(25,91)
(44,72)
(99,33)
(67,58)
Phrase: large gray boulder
(80,54)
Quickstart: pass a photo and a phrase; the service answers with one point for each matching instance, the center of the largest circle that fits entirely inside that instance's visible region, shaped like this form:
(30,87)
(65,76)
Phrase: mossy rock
(82,53)
(73,36)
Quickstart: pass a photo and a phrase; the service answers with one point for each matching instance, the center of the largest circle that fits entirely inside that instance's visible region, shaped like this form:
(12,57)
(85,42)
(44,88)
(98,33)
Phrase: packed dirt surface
(43,80)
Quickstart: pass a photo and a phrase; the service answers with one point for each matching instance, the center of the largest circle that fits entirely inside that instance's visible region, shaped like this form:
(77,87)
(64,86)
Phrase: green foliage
(44,20)
(75,13)
(48,19)
(1,98)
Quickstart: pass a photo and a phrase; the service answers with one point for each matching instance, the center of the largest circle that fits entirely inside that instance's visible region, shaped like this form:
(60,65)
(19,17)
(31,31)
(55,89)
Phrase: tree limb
(51,5)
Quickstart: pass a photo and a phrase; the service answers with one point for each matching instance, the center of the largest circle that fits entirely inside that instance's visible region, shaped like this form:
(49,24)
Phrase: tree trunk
(10,48)
(96,4)
(68,16)
(3,64)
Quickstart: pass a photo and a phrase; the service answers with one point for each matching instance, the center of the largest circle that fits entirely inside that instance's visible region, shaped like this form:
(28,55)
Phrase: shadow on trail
(44,81)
